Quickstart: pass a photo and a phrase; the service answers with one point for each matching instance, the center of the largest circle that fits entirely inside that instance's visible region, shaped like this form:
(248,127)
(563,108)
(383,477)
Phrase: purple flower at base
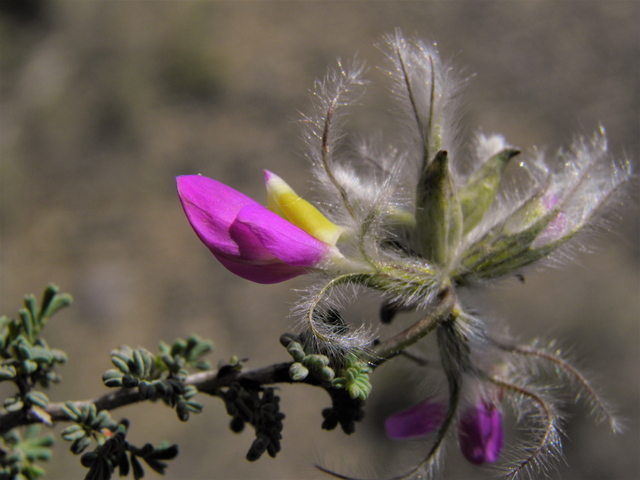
(247,238)
(417,421)
(480,433)
(479,430)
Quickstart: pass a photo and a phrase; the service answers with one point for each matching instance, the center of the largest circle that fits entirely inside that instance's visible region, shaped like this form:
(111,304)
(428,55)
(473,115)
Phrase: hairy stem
(395,345)
(601,409)
(548,435)
(326,154)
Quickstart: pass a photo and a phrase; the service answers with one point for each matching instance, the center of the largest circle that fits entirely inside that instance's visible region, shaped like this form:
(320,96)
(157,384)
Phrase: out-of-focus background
(104,103)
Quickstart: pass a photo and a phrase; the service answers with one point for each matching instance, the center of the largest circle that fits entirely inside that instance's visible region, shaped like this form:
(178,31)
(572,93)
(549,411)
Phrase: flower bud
(438,212)
(480,190)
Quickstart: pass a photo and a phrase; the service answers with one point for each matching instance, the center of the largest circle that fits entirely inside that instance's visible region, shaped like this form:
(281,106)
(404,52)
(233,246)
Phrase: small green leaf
(29,366)
(72,411)
(79,445)
(296,351)
(327,374)
(7,372)
(91,412)
(113,382)
(38,398)
(298,372)
(41,355)
(59,302)
(47,297)
(138,364)
(120,364)
(71,434)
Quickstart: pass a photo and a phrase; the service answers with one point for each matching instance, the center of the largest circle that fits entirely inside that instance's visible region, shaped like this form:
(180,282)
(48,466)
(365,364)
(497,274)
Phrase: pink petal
(211,208)
(417,421)
(261,273)
(480,434)
(283,239)
(257,245)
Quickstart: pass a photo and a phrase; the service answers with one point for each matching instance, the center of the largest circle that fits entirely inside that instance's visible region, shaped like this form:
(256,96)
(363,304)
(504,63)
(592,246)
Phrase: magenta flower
(479,431)
(417,421)
(248,239)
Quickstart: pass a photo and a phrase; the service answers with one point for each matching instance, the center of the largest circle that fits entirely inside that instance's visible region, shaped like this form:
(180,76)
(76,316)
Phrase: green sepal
(194,407)
(137,366)
(503,251)
(438,212)
(479,192)
(190,392)
(148,363)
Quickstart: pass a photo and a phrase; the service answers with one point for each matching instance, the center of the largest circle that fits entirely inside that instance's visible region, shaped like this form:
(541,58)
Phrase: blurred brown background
(104,103)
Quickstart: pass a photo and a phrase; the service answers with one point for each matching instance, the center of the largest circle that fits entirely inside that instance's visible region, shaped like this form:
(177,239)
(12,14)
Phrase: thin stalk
(394,346)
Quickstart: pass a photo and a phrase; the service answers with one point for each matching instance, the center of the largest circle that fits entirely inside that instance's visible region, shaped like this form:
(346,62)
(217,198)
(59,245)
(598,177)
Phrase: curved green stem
(445,308)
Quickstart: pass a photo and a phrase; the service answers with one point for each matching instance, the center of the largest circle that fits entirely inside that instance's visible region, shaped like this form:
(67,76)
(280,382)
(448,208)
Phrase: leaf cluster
(112,450)
(18,456)
(354,378)
(161,376)
(26,359)
(28,362)
(248,402)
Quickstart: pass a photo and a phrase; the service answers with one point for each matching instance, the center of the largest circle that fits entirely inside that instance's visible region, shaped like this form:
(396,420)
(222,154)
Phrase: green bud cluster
(259,408)
(354,378)
(19,455)
(306,362)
